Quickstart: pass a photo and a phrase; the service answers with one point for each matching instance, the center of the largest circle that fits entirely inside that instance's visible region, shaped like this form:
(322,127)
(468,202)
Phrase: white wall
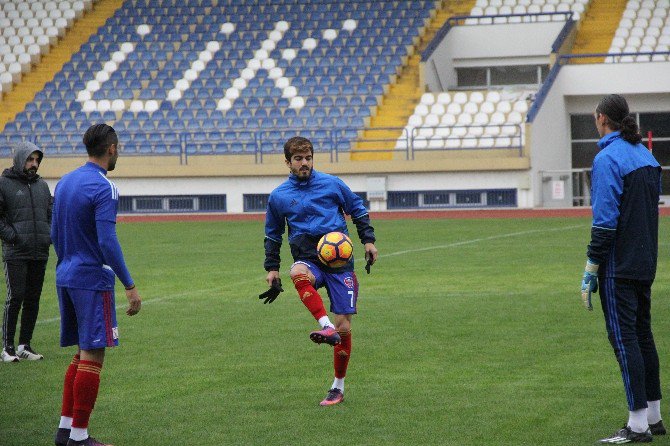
(577,90)
(235,187)
(489,45)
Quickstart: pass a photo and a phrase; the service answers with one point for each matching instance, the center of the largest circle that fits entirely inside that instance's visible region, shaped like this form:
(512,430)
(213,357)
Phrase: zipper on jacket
(32,208)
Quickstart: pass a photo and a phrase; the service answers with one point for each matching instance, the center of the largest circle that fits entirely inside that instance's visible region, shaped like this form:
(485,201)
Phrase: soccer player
(25,219)
(83,231)
(313,203)
(625,189)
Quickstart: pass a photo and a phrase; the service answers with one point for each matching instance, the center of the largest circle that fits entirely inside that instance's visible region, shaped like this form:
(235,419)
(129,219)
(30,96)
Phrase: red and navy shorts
(87,318)
(342,288)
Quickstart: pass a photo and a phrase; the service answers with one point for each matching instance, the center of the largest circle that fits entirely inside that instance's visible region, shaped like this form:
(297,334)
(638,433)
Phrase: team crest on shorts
(349,282)
(115,332)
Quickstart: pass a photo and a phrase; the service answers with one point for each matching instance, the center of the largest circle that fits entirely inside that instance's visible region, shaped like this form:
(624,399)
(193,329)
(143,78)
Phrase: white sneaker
(9,355)
(25,352)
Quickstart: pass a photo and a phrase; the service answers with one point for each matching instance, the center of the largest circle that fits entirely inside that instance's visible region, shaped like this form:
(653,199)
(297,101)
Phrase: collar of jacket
(295,181)
(608,139)
(19,175)
(96,167)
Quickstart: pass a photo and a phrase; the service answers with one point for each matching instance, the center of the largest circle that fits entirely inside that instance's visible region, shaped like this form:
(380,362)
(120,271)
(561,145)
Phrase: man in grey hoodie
(25,222)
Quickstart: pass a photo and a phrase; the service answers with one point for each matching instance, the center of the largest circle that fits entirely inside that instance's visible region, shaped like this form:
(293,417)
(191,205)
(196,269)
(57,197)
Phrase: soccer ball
(335,249)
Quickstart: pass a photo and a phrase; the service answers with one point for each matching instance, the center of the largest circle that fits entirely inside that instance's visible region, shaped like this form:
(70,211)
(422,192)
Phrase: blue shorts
(87,318)
(342,288)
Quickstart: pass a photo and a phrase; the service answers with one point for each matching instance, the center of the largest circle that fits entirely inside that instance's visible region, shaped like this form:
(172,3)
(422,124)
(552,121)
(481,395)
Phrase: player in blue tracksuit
(625,189)
(312,204)
(83,232)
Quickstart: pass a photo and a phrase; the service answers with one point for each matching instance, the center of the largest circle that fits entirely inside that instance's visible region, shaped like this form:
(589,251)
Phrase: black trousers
(24,287)
(627,308)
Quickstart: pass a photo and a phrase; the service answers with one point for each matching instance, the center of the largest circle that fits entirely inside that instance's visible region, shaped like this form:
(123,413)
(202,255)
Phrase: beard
(303,173)
(30,172)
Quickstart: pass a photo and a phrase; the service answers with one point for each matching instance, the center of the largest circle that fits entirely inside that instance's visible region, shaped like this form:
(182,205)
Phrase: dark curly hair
(615,108)
(297,144)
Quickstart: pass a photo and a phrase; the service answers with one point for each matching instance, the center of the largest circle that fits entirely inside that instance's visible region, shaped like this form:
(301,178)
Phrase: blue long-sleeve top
(311,209)
(83,231)
(625,189)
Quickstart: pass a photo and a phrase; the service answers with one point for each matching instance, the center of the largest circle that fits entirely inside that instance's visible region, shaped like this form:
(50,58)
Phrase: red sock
(341,354)
(68,387)
(85,392)
(309,296)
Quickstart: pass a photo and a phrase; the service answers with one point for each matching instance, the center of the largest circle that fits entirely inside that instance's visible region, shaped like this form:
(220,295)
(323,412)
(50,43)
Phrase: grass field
(470,332)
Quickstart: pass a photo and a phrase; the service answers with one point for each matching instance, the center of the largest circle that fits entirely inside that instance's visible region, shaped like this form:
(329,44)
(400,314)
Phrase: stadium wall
(577,90)
(489,45)
(207,176)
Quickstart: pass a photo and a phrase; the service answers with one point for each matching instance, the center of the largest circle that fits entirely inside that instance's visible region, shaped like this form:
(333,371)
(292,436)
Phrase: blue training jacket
(625,189)
(311,209)
(83,231)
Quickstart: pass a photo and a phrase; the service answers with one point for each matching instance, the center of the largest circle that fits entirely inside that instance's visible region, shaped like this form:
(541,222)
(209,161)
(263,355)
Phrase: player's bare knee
(343,327)
(299,270)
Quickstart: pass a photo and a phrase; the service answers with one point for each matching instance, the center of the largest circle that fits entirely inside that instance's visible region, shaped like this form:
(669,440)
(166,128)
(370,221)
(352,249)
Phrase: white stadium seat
(470,108)
(438,109)
(443,98)
(460,98)
(428,98)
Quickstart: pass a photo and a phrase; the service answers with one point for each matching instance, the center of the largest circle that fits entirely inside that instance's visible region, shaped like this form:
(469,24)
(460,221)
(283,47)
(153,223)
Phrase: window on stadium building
(172,204)
(584,137)
(499,76)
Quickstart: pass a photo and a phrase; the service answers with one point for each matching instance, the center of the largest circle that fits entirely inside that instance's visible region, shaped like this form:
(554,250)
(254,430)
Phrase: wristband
(131,287)
(591,267)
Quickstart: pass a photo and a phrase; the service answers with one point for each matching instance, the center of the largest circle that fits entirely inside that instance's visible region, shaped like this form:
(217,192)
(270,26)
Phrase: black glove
(271,294)
(368,265)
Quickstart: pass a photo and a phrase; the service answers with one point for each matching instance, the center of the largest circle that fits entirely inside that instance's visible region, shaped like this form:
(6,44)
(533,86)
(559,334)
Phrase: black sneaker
(62,436)
(627,435)
(657,428)
(90,441)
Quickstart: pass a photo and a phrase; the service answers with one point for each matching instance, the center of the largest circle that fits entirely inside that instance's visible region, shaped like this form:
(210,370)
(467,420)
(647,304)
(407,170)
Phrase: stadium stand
(160,68)
(512,11)
(29,30)
(644,27)
(191,80)
(467,120)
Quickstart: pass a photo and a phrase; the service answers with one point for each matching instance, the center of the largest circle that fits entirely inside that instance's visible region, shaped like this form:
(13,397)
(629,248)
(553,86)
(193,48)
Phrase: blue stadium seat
(345,75)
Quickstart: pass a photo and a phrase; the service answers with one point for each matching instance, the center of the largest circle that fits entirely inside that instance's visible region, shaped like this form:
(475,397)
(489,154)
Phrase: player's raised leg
(304,281)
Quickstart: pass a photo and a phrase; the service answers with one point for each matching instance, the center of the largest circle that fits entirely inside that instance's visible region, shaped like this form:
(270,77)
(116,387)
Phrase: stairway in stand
(398,103)
(597,29)
(15,101)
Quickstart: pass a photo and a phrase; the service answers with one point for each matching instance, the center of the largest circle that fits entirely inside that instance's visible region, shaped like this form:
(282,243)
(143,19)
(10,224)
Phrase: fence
(259,143)
(572,187)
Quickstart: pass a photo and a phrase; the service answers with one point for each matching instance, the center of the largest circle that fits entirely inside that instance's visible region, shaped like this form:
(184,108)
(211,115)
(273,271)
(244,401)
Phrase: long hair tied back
(615,108)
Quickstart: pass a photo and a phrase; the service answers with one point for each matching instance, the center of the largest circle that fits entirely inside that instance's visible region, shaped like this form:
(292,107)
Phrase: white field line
(397,253)
(483,239)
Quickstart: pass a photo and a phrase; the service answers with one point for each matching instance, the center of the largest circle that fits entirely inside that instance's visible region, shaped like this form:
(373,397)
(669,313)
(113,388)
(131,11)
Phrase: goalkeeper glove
(271,294)
(589,283)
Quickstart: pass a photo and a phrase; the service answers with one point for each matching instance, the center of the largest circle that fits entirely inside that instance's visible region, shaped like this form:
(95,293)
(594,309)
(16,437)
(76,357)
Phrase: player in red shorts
(83,232)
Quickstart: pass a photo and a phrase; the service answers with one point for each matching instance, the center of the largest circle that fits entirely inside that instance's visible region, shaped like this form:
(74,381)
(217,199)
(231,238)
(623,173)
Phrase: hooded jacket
(25,210)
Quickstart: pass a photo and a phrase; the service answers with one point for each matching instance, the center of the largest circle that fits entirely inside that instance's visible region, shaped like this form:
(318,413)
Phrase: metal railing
(460,20)
(260,143)
(568,58)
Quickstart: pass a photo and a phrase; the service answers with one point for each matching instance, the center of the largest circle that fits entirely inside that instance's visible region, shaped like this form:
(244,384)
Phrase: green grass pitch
(469,332)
